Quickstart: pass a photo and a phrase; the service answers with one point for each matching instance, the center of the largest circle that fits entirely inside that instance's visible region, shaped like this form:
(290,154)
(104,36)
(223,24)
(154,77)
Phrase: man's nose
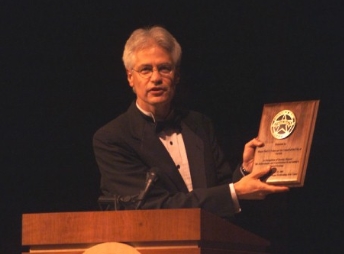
(156,76)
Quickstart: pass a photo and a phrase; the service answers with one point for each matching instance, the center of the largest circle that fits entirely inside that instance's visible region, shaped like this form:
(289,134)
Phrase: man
(180,145)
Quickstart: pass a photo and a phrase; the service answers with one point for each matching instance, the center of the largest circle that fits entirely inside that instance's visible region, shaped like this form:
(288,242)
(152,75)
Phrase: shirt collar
(171,121)
(150,114)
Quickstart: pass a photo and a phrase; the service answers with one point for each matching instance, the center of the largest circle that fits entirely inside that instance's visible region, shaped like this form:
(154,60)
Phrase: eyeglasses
(147,71)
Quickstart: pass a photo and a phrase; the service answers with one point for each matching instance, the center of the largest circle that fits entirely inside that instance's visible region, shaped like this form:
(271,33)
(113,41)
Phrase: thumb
(258,173)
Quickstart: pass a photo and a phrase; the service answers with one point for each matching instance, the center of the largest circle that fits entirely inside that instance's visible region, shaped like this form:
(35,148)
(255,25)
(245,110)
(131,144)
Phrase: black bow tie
(173,124)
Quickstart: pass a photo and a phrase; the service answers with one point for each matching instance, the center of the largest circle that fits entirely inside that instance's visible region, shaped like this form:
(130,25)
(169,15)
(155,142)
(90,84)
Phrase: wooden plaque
(287,131)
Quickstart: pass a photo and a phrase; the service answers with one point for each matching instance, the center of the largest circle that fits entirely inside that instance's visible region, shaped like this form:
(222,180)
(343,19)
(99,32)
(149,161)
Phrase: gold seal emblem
(283,124)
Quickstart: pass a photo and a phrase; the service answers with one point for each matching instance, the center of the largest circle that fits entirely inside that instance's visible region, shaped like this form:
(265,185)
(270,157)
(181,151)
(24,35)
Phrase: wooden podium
(167,231)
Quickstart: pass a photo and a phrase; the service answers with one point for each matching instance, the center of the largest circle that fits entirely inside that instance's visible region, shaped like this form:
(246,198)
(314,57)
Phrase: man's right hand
(252,187)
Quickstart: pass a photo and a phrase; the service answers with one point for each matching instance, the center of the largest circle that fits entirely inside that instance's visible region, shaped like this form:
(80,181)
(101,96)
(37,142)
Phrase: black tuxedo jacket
(128,146)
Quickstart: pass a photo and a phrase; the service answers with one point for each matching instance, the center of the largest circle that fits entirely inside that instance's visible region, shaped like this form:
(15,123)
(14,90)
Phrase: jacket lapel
(143,129)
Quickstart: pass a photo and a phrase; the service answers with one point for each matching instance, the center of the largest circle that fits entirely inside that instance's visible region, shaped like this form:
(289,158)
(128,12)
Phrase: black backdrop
(62,78)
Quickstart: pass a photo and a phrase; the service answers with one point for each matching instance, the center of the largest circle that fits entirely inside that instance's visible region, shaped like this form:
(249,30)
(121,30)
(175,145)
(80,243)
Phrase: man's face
(155,92)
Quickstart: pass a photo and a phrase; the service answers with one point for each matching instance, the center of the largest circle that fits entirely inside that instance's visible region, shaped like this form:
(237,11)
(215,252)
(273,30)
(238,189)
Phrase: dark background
(62,78)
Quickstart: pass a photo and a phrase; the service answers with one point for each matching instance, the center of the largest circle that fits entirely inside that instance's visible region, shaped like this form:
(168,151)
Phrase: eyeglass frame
(152,69)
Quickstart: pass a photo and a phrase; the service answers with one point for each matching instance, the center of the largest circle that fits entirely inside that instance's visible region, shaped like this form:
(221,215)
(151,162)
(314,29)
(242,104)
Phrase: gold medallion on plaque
(283,124)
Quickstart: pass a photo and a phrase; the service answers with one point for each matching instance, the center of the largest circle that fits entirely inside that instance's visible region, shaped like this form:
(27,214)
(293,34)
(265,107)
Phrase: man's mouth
(157,90)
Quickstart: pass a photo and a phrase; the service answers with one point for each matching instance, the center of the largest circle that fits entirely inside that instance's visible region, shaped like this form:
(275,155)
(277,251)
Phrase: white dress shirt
(174,144)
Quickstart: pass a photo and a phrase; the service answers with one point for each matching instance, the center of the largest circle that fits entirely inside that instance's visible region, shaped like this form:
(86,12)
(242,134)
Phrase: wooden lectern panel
(150,231)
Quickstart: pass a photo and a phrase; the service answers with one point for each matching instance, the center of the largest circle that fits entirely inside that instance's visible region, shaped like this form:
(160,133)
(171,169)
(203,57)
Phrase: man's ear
(130,78)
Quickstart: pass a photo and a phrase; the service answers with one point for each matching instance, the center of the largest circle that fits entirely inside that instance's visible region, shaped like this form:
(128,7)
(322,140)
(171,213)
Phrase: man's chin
(160,101)
(163,99)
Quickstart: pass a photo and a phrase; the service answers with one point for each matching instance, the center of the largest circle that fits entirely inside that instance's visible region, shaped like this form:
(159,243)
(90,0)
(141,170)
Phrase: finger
(256,142)
(249,150)
(267,175)
(276,189)
(262,195)
(260,173)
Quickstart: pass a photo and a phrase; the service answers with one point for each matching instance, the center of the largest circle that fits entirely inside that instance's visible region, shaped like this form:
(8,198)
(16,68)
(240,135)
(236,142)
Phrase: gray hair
(144,38)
